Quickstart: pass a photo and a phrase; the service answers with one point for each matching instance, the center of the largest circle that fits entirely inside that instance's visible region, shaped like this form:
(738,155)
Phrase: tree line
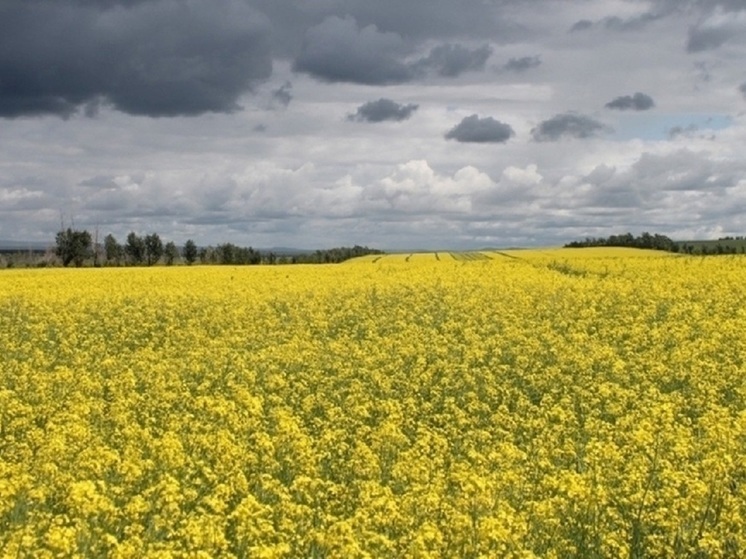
(77,247)
(724,245)
(645,240)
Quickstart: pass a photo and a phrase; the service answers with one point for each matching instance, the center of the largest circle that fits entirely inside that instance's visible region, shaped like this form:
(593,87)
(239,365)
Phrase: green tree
(73,246)
(190,252)
(227,253)
(170,253)
(135,248)
(153,248)
(112,250)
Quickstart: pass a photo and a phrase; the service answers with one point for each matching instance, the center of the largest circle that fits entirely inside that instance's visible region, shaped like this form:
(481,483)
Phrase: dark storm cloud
(439,19)
(473,129)
(637,102)
(567,125)
(452,60)
(414,21)
(382,110)
(522,64)
(338,50)
(156,58)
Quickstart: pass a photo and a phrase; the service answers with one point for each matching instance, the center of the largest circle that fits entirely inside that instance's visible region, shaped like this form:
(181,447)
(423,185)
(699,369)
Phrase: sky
(396,124)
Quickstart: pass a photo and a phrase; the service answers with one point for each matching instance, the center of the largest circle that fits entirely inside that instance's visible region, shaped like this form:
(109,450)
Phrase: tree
(135,248)
(112,250)
(96,248)
(190,252)
(153,248)
(170,252)
(73,246)
(227,253)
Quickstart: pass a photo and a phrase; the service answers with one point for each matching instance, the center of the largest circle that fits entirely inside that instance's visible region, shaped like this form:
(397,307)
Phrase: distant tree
(227,253)
(153,248)
(334,255)
(646,241)
(73,246)
(170,252)
(135,248)
(97,249)
(190,252)
(112,250)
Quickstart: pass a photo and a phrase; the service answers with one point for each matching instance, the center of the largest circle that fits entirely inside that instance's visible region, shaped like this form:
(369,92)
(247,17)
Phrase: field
(561,403)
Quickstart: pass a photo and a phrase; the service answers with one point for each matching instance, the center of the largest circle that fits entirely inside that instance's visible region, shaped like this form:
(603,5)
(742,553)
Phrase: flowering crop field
(561,403)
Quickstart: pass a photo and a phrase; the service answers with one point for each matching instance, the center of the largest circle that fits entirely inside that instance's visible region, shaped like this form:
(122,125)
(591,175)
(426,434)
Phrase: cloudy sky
(390,123)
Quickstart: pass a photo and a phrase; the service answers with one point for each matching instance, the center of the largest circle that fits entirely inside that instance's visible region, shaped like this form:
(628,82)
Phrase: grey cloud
(473,129)
(581,25)
(742,89)
(413,20)
(685,170)
(441,19)
(700,39)
(616,23)
(567,125)
(452,60)
(684,182)
(522,64)
(99,181)
(382,110)
(283,94)
(149,58)
(637,102)
(718,27)
(677,131)
(338,50)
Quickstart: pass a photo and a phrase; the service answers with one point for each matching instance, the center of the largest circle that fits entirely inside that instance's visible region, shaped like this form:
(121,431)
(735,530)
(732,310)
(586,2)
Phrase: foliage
(170,253)
(723,245)
(135,248)
(190,252)
(153,248)
(73,246)
(228,253)
(335,255)
(113,251)
(646,240)
(526,404)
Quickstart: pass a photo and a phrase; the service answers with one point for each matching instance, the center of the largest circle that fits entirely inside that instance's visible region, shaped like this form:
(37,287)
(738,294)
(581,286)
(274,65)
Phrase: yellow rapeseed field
(549,403)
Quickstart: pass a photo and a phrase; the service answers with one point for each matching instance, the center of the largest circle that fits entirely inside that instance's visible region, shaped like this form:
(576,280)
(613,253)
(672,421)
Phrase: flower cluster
(584,403)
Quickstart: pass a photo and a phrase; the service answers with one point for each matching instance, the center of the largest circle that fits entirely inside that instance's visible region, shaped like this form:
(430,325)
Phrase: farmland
(545,403)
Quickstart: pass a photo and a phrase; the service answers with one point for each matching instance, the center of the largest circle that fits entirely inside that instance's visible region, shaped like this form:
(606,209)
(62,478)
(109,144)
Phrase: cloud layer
(396,123)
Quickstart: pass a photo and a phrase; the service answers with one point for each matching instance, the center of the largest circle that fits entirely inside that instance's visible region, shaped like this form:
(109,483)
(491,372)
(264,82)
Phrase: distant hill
(287,251)
(16,246)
